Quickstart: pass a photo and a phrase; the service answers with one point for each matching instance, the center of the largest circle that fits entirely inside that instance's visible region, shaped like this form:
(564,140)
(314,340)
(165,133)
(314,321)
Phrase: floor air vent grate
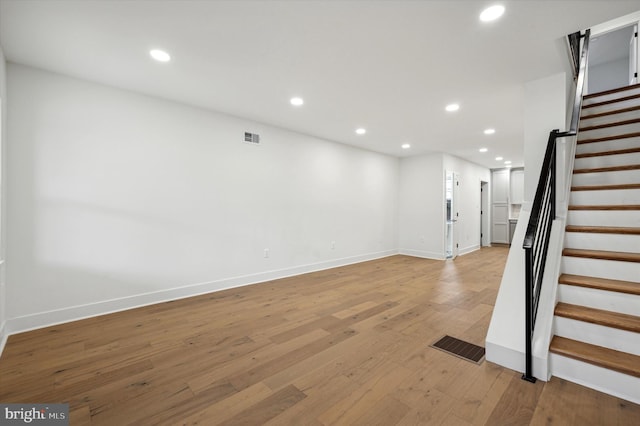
(460,348)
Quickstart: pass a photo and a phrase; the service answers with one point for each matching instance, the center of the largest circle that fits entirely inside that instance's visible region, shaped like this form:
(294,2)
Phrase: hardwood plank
(604,255)
(606,153)
(267,369)
(611,91)
(606,187)
(609,138)
(518,403)
(607,169)
(268,408)
(229,407)
(387,411)
(600,283)
(613,112)
(611,101)
(355,309)
(604,357)
(248,362)
(613,124)
(603,230)
(358,403)
(605,207)
(598,316)
(564,403)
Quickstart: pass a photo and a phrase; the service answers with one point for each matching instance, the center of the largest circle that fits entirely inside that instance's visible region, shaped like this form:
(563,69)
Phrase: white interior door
(633,57)
(455,214)
(484,214)
(451,218)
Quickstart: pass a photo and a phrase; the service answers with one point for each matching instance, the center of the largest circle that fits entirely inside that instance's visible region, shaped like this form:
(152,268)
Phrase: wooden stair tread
(603,229)
(603,153)
(606,187)
(598,316)
(612,91)
(597,355)
(613,112)
(602,255)
(609,138)
(613,124)
(611,101)
(605,207)
(608,169)
(618,286)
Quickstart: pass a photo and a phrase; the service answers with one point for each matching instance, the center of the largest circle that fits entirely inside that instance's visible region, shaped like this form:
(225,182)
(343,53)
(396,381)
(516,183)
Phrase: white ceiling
(389,66)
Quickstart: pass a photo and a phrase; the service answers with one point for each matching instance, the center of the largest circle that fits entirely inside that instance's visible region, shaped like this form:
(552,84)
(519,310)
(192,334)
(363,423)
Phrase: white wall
(117,199)
(545,110)
(469,200)
(421,225)
(421,217)
(609,75)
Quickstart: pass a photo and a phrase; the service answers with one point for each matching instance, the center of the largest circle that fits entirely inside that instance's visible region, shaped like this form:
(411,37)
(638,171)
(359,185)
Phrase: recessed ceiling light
(297,101)
(507,162)
(489,131)
(483,149)
(160,55)
(452,107)
(361,131)
(499,158)
(406,146)
(492,13)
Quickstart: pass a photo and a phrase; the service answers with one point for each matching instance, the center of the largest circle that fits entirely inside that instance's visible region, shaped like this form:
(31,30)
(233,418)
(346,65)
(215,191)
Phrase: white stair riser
(611,96)
(626,218)
(612,145)
(607,242)
(609,131)
(607,119)
(600,299)
(608,107)
(611,269)
(605,197)
(607,161)
(607,337)
(606,178)
(621,385)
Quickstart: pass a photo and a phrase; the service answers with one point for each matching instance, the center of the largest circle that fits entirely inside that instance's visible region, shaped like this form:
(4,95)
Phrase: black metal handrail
(543,212)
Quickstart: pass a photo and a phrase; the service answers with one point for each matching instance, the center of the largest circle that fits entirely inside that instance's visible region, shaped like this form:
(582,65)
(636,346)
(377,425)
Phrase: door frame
(485,223)
(453,234)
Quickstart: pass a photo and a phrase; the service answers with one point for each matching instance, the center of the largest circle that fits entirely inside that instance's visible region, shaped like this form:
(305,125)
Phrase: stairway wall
(546,109)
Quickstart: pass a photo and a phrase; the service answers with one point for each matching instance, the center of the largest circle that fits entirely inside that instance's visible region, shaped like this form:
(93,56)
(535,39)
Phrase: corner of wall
(3,227)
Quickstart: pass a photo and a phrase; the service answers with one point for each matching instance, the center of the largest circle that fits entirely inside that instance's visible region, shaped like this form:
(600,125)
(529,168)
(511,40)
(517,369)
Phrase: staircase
(597,318)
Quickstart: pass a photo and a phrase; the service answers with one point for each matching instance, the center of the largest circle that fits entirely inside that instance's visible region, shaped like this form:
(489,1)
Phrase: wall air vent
(252,138)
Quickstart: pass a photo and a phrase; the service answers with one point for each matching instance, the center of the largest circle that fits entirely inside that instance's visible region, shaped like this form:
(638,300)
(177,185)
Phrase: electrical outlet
(266,253)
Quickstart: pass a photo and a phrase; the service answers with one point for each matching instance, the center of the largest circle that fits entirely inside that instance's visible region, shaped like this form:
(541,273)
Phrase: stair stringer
(505,341)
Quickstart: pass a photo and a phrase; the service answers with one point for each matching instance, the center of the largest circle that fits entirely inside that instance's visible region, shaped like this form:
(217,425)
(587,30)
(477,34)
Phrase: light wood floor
(347,346)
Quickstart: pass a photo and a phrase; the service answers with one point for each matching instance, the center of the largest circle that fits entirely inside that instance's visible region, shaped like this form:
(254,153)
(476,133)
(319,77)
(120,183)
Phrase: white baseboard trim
(422,254)
(75,313)
(467,250)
